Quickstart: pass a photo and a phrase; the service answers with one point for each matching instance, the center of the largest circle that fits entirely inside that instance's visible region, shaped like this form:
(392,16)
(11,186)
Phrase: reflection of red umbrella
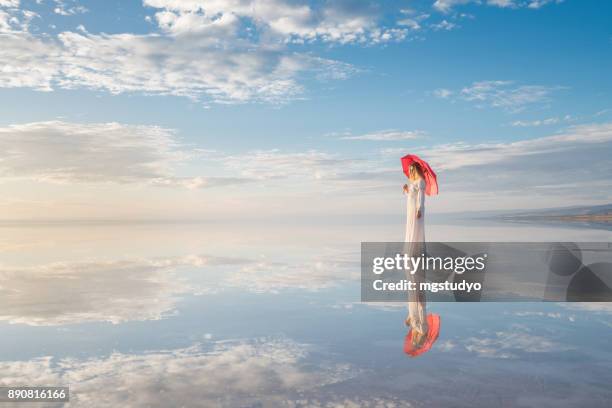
(431,180)
(433,330)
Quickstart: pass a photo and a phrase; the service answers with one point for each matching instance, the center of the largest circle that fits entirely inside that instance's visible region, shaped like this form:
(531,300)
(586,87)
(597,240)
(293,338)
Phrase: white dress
(415,246)
(415,227)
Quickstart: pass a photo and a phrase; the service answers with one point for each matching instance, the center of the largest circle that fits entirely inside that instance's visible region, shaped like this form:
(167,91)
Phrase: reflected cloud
(596,307)
(65,293)
(355,402)
(550,315)
(230,373)
(510,344)
(272,277)
(147,289)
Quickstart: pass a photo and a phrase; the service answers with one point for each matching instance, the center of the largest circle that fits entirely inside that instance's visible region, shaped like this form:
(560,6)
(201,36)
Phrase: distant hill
(596,213)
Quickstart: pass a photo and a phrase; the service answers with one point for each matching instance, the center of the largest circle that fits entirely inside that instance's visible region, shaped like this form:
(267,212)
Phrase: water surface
(269,315)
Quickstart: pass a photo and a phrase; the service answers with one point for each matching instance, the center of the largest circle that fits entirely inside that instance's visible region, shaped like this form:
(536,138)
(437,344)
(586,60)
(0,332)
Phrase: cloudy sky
(218,109)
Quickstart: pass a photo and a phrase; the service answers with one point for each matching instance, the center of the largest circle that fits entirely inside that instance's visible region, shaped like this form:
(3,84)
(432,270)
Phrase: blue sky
(233,107)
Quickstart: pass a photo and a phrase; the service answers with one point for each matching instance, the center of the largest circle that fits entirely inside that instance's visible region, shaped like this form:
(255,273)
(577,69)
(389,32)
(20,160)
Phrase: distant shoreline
(578,217)
(593,220)
(597,214)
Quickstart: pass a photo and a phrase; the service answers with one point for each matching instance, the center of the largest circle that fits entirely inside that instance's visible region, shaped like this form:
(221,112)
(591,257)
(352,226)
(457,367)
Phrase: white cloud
(446,6)
(411,19)
(222,51)
(536,4)
(199,182)
(9,3)
(213,64)
(308,172)
(536,123)
(506,95)
(225,51)
(64,152)
(443,93)
(199,68)
(444,25)
(61,152)
(68,8)
(67,152)
(387,135)
(346,21)
(502,3)
(277,164)
(458,155)
(13,19)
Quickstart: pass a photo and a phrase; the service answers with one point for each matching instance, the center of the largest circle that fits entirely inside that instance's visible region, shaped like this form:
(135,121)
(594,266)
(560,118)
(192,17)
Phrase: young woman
(415,246)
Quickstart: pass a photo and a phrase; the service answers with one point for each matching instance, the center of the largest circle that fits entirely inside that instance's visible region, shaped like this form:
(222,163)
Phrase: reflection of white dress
(415,246)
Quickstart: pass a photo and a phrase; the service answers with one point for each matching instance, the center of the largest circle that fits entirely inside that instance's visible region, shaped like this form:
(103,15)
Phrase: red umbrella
(431,180)
(433,331)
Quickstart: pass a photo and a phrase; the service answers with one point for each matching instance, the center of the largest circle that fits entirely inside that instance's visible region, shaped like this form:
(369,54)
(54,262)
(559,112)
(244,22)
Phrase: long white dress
(415,246)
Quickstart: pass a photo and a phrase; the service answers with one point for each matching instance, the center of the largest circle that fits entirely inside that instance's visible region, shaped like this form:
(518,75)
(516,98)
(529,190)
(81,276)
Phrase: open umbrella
(431,180)
(433,331)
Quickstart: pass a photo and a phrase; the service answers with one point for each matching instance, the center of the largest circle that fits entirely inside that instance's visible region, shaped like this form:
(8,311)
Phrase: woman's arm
(420,198)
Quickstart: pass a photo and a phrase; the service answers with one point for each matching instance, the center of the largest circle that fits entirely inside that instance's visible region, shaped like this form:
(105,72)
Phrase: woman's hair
(415,167)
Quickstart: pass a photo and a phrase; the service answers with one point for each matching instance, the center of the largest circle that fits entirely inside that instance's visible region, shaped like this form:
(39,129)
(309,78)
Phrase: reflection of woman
(415,247)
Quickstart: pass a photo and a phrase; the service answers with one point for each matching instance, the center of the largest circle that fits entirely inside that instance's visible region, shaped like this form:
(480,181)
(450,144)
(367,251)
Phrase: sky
(238,109)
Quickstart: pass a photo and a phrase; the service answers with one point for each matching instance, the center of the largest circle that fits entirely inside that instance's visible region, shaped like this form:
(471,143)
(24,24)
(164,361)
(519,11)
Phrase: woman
(415,247)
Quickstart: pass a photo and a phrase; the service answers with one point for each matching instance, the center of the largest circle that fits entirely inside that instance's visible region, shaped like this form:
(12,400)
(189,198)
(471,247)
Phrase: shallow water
(269,315)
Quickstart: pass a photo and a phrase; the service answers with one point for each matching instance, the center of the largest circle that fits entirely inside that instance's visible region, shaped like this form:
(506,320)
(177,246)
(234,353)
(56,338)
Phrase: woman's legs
(417,309)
